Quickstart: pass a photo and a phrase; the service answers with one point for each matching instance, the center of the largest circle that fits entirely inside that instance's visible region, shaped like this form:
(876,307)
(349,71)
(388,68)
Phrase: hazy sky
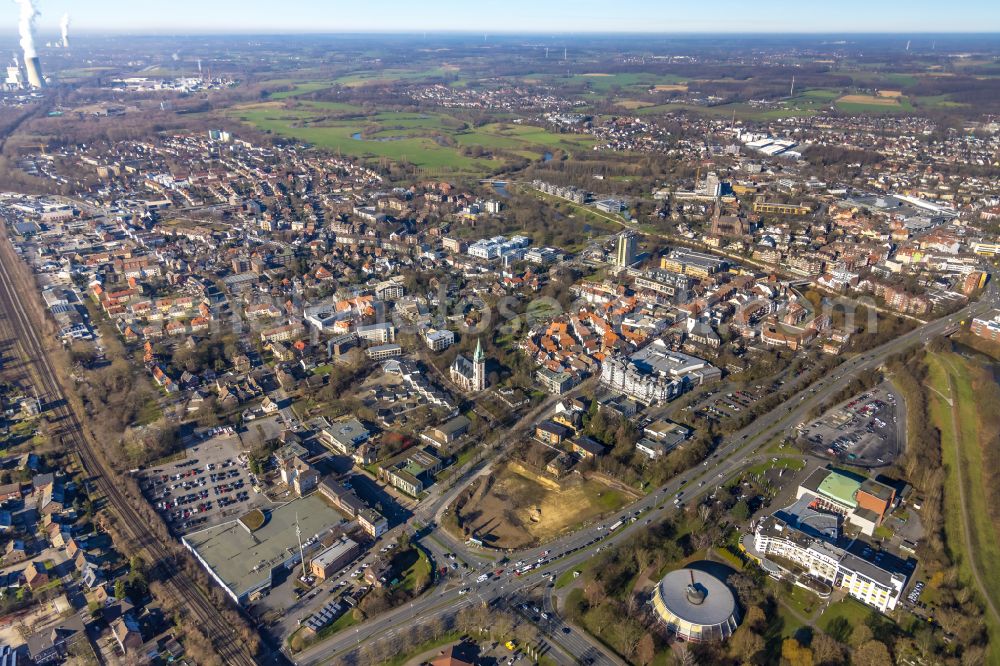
(516,15)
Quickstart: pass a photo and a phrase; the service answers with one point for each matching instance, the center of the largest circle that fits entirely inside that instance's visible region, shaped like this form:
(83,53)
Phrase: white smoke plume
(26,26)
(64,26)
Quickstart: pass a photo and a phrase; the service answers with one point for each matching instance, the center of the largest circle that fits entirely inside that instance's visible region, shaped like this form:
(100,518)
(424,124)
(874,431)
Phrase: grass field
(431,141)
(671,87)
(523,508)
(795,108)
(850,611)
(873,100)
(633,104)
(417,570)
(793,464)
(949,376)
(872,104)
(602,82)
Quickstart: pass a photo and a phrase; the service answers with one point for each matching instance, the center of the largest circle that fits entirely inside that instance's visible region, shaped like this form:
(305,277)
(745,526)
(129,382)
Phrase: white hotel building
(865,581)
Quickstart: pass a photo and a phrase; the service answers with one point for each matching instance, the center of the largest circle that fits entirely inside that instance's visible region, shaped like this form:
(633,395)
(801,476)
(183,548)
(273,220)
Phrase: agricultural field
(633,104)
(303,88)
(433,142)
(600,82)
(860,103)
(743,111)
(521,507)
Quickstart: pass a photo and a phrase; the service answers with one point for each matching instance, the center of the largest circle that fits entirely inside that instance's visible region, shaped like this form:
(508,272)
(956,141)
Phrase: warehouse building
(244,560)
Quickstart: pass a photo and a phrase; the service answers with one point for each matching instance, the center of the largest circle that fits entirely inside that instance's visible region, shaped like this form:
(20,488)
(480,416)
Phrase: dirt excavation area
(516,506)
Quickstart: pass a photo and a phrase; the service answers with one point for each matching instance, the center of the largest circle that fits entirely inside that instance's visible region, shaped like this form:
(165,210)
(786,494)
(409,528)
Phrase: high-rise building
(625,254)
(712,186)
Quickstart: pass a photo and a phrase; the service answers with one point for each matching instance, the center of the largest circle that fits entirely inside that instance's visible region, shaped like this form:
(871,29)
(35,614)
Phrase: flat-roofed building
(384,352)
(343,436)
(987,326)
(787,543)
(328,561)
(411,471)
(447,432)
(780,208)
(244,561)
(555,383)
(695,264)
(439,340)
(864,502)
(378,334)
(373,522)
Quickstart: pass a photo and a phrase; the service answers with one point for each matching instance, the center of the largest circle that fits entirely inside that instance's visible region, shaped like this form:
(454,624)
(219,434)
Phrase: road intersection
(570,551)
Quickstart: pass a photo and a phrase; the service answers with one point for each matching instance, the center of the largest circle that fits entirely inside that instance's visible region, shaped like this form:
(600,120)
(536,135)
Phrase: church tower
(479,368)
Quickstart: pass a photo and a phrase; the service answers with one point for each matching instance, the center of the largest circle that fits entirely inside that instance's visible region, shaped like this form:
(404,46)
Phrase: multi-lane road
(570,551)
(447,598)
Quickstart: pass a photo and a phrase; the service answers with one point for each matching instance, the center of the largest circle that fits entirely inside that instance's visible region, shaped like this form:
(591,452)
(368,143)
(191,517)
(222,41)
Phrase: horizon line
(83,31)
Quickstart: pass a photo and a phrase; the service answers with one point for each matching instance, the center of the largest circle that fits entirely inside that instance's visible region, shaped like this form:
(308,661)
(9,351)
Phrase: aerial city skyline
(520,16)
(528,333)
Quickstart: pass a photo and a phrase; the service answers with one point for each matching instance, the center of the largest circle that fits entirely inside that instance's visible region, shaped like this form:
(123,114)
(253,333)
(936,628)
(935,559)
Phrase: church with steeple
(470,376)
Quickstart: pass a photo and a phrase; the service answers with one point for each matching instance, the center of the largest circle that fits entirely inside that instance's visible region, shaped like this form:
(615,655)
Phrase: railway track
(20,328)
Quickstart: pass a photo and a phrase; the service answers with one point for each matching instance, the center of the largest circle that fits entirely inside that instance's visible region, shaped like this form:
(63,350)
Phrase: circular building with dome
(696,606)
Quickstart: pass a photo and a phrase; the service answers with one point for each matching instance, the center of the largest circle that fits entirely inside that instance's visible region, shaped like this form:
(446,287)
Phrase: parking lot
(720,404)
(863,431)
(210,485)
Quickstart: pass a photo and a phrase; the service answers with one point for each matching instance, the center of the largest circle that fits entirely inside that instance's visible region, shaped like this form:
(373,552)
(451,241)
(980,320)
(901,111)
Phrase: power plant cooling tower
(34,69)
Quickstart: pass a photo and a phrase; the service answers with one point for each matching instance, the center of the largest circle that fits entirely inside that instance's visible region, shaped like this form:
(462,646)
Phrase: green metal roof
(841,488)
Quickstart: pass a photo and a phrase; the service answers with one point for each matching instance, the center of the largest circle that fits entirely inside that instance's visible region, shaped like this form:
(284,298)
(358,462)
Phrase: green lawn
(565,578)
(794,464)
(853,612)
(789,624)
(506,136)
(460,460)
(298,641)
(420,569)
(936,102)
(965,453)
(802,601)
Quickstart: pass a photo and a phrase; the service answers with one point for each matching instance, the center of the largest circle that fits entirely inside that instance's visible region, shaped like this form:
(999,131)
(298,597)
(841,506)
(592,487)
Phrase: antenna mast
(298,535)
